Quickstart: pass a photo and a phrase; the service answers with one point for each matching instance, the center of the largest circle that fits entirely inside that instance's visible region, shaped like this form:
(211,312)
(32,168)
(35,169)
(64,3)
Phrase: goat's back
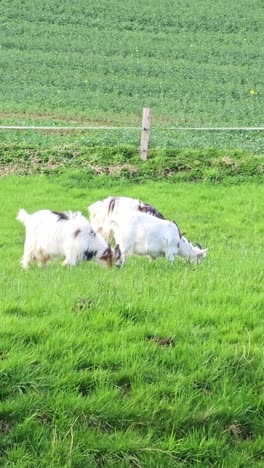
(141,229)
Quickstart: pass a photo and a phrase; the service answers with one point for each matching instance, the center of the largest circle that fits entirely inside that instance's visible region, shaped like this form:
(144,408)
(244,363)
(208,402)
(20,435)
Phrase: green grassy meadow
(151,365)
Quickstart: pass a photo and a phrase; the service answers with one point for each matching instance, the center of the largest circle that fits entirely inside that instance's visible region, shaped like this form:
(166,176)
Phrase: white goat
(101,211)
(52,234)
(141,234)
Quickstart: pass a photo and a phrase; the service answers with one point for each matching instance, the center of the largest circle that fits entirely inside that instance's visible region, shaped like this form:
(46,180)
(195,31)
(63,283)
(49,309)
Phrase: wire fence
(162,137)
(55,127)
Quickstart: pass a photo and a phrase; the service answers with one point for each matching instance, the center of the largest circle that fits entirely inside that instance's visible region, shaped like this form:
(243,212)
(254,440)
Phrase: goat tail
(22,216)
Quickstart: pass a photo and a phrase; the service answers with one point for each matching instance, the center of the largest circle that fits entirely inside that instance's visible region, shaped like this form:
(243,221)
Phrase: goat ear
(199,246)
(202,253)
(117,252)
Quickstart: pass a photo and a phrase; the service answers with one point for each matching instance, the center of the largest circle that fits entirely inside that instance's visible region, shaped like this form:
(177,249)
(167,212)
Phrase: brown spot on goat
(42,258)
(149,209)
(112,204)
(107,256)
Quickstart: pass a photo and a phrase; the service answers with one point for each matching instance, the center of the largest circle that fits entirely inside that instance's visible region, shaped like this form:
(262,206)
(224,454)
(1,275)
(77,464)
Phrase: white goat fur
(101,211)
(140,234)
(52,234)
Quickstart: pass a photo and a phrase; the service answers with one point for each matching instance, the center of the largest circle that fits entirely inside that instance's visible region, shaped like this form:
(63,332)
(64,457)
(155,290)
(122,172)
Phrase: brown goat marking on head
(107,252)
(76,233)
(151,210)
(62,216)
(112,204)
(107,256)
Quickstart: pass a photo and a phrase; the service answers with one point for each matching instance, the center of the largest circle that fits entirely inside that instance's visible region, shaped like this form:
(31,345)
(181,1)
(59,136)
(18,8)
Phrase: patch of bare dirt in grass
(5,427)
(37,165)
(28,168)
(239,431)
(11,169)
(168,341)
(113,170)
(230,163)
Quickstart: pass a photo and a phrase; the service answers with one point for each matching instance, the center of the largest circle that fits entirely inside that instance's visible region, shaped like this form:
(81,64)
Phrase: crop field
(156,364)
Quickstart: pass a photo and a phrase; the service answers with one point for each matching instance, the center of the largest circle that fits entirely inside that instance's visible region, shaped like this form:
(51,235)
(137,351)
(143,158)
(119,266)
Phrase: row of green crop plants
(194,64)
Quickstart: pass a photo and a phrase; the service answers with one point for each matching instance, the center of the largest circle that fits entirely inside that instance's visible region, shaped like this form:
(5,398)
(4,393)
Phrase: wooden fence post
(145,134)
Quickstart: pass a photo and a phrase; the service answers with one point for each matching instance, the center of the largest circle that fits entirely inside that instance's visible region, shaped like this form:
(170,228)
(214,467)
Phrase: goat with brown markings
(51,234)
(101,211)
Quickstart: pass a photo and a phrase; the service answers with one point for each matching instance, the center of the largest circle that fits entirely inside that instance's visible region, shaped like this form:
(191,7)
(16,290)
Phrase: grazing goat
(101,211)
(52,234)
(139,234)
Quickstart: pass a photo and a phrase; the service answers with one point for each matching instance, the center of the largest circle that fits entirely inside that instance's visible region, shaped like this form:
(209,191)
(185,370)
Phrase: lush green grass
(84,379)
(194,63)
